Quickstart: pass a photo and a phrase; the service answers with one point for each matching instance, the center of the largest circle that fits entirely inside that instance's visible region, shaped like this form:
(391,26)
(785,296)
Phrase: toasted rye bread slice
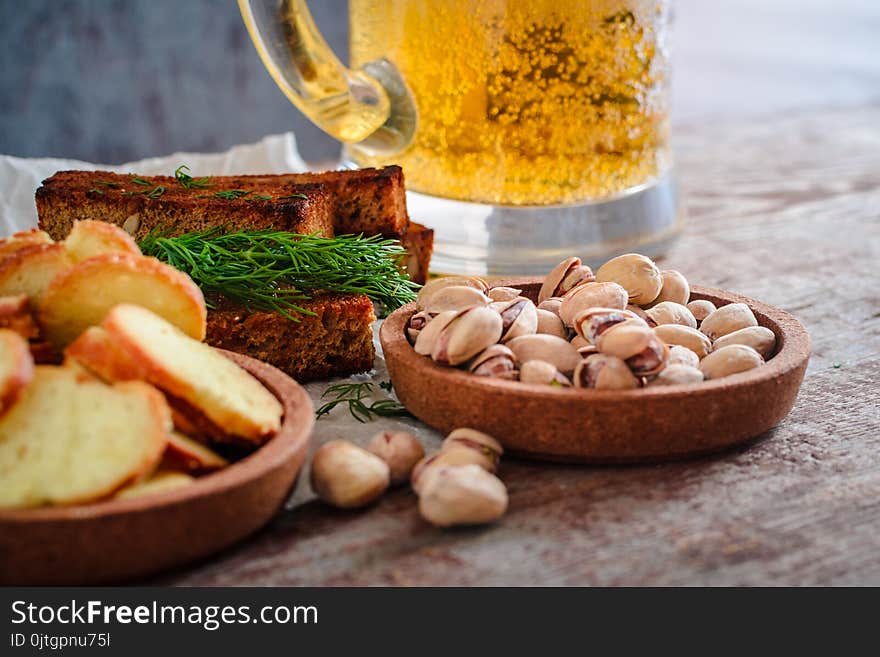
(184,453)
(160,482)
(197,374)
(16,368)
(30,270)
(90,238)
(82,295)
(69,440)
(16,315)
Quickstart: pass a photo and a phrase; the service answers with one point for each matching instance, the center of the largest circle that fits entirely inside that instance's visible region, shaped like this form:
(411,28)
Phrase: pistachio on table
(462,495)
(461,447)
(400,450)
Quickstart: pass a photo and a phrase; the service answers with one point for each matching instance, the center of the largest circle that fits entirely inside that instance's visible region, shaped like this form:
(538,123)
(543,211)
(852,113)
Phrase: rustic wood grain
(786,210)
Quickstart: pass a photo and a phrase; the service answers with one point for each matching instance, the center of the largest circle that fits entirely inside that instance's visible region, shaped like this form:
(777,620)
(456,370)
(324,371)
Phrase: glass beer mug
(528,130)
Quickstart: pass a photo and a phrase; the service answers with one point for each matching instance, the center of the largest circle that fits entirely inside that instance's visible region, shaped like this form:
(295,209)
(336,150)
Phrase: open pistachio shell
(591,295)
(471,331)
(604,372)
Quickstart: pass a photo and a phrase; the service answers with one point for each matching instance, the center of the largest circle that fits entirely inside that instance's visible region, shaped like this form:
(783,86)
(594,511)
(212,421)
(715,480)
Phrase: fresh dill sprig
(232,194)
(187,181)
(302,196)
(260,197)
(97,191)
(156,192)
(140,181)
(107,183)
(354,395)
(273,270)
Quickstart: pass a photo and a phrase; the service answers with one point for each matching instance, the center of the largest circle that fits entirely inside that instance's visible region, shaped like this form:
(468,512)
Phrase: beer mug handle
(370,107)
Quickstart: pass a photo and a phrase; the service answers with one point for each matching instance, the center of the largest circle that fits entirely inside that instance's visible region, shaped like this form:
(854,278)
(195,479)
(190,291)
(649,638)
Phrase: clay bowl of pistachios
(626,364)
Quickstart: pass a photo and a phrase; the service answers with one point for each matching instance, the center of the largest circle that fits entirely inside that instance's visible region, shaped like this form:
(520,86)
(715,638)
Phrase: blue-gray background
(116,80)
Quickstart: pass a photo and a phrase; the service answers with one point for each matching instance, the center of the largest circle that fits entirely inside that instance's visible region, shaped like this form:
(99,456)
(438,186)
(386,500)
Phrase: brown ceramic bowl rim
(793,342)
(293,436)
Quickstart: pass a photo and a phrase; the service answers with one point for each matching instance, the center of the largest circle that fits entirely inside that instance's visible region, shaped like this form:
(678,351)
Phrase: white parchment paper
(20,177)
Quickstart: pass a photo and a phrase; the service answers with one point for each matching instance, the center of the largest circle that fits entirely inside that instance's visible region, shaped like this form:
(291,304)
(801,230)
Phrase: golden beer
(524,102)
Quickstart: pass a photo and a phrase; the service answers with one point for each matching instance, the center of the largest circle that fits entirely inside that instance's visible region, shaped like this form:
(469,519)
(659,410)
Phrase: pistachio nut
(400,450)
(701,309)
(454,297)
(729,360)
(468,333)
(679,355)
(347,476)
(591,295)
(675,374)
(604,372)
(483,443)
(565,276)
(635,343)
(452,455)
(759,338)
(502,293)
(685,336)
(675,288)
(550,323)
(635,272)
(496,361)
(540,346)
(587,350)
(416,323)
(428,334)
(462,495)
(552,304)
(640,312)
(518,317)
(593,322)
(543,373)
(727,319)
(671,312)
(579,341)
(437,284)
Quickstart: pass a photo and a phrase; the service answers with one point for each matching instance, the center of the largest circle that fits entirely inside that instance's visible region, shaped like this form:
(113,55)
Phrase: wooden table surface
(784,209)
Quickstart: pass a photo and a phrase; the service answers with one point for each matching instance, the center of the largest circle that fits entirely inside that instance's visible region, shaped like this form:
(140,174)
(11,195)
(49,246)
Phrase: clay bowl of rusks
(629,363)
(127,445)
